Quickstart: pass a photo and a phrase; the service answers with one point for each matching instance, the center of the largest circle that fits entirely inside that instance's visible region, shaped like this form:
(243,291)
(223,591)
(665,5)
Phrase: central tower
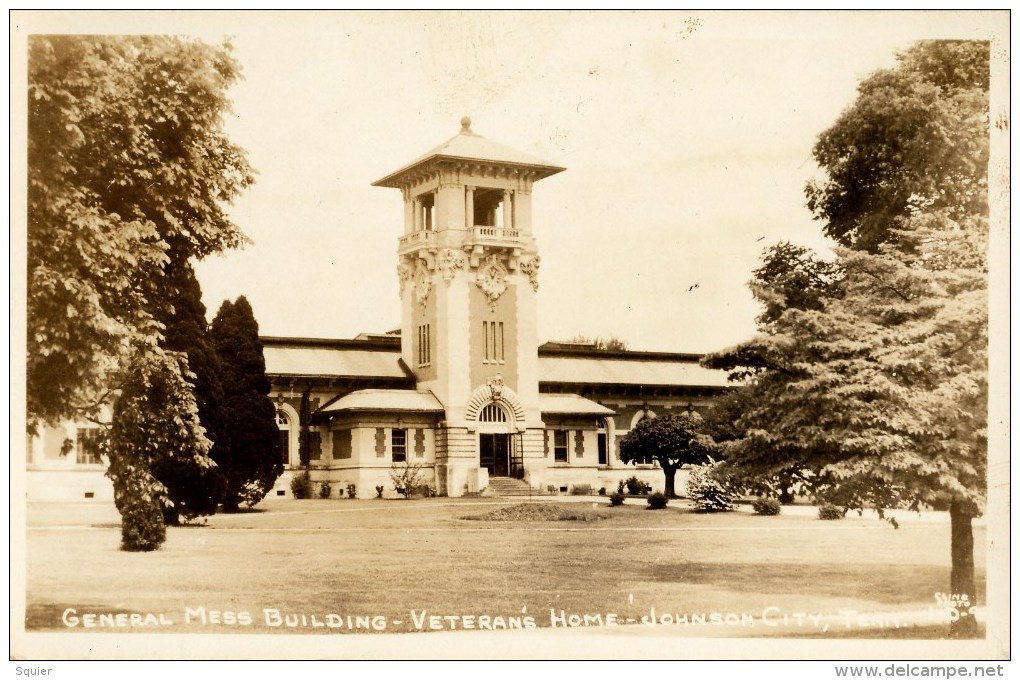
(468,268)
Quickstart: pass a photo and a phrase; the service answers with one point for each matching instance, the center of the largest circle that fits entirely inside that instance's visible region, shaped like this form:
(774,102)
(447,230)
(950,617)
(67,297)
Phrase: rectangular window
(285,446)
(342,444)
(603,449)
(87,446)
(314,446)
(560,446)
(398,445)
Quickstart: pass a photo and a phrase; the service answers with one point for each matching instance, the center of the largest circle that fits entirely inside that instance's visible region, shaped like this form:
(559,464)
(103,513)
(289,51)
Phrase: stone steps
(508,486)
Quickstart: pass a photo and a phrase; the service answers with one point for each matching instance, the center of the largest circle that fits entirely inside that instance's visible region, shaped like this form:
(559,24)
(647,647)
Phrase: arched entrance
(499,450)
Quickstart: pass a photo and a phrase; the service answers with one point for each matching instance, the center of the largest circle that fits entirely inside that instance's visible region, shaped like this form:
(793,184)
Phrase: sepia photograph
(511,335)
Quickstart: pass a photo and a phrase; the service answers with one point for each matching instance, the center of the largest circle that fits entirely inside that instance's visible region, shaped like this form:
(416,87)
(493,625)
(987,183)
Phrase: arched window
(283,422)
(645,412)
(492,413)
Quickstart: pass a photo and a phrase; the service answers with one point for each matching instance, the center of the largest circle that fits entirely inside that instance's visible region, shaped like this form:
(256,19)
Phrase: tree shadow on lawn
(891,584)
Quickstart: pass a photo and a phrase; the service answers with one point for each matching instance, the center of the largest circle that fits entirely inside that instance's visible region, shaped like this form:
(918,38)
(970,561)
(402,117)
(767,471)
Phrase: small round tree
(672,440)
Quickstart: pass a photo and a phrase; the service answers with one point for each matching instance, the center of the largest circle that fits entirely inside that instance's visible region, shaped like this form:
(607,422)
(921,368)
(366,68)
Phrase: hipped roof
(468,146)
(385,400)
(571,404)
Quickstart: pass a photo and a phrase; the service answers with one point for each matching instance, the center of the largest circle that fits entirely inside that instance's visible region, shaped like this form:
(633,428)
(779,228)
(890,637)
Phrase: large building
(463,389)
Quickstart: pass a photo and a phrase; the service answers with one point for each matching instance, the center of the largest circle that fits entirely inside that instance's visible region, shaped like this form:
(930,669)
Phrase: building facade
(463,388)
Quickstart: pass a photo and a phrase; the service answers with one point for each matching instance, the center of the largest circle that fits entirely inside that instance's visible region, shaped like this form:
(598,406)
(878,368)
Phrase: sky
(687,140)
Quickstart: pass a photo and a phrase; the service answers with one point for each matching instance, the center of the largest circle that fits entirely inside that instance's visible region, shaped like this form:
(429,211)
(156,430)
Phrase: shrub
(830,511)
(379,490)
(581,490)
(634,486)
(708,493)
(616,498)
(407,478)
(301,485)
(766,506)
(141,527)
(352,491)
(602,491)
(428,491)
(325,490)
(657,501)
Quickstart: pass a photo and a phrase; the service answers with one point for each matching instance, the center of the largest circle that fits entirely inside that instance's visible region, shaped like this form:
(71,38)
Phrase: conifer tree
(249,452)
(192,489)
(155,420)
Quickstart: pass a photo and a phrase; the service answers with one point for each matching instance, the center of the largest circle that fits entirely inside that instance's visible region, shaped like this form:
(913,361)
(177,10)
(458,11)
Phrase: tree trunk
(961,579)
(171,516)
(231,503)
(670,473)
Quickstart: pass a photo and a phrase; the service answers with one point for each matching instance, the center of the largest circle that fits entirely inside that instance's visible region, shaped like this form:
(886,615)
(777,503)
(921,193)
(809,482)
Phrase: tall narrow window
(87,446)
(603,442)
(283,422)
(495,342)
(398,445)
(314,445)
(424,345)
(560,446)
(485,345)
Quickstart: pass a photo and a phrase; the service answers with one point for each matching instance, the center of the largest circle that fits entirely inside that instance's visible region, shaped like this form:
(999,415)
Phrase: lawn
(406,566)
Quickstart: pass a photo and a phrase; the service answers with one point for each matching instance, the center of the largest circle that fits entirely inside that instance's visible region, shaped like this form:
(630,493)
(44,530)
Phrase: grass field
(404,566)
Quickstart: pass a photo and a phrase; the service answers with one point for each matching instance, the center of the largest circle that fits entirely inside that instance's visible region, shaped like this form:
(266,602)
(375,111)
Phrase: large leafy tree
(875,388)
(128,168)
(127,159)
(915,140)
(672,440)
(248,454)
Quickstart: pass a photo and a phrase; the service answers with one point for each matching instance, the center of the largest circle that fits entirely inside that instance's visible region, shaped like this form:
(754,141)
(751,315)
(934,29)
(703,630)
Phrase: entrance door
(494,453)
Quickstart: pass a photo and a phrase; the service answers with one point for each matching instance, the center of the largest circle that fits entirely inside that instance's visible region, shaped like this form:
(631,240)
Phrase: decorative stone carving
(530,267)
(449,262)
(495,391)
(491,279)
(403,274)
(422,283)
(495,384)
